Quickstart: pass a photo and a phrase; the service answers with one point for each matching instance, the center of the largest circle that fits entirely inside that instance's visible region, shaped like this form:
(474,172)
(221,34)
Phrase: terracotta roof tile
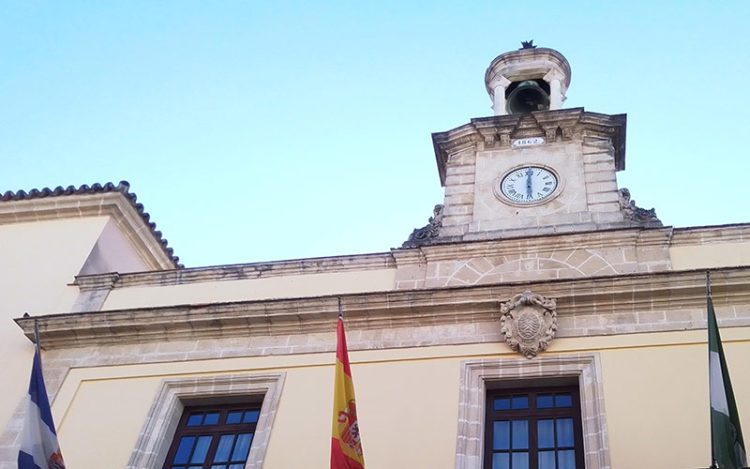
(123,187)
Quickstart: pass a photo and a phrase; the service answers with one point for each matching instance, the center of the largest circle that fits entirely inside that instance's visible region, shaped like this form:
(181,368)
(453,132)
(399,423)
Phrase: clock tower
(533,168)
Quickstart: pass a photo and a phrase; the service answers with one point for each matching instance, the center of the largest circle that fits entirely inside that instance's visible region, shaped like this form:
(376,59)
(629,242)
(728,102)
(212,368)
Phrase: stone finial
(529,322)
(635,213)
(427,233)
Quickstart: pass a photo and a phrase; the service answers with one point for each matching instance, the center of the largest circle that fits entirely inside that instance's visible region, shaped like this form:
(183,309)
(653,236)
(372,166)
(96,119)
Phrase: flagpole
(708,299)
(36,337)
(341,308)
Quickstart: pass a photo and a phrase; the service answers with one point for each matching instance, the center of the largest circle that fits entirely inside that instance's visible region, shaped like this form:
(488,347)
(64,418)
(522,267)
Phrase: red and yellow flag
(346,446)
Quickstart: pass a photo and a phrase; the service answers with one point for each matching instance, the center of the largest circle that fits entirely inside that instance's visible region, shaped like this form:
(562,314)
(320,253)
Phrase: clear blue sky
(257,131)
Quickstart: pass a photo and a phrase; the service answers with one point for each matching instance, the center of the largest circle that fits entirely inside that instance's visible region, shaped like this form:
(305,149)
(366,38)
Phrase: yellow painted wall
(710,255)
(290,286)
(655,395)
(38,261)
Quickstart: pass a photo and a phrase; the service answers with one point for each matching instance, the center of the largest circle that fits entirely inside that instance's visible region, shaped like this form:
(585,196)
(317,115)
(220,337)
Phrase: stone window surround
(477,374)
(161,422)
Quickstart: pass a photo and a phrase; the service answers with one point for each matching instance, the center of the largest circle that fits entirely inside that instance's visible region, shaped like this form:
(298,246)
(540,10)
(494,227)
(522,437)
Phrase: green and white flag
(727,447)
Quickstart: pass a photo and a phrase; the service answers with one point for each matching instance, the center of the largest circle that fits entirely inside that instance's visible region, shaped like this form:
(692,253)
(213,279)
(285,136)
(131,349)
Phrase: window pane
(563,400)
(564,432)
(219,466)
(520,434)
(520,461)
(201,448)
(546,433)
(237,466)
(195,420)
(211,418)
(234,417)
(501,435)
(501,461)
(224,449)
(242,447)
(545,401)
(520,402)
(251,416)
(183,451)
(546,460)
(502,403)
(566,459)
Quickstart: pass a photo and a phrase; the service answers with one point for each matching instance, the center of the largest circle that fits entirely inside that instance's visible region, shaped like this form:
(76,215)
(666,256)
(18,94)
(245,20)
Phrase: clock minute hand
(529,173)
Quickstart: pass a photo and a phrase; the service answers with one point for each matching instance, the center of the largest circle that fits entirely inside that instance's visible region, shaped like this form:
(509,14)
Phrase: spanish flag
(346,446)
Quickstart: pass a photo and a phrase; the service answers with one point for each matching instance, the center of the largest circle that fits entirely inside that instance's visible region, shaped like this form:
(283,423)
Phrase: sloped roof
(123,187)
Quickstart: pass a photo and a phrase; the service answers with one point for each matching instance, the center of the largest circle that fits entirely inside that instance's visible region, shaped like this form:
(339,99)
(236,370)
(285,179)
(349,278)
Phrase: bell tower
(526,80)
(534,167)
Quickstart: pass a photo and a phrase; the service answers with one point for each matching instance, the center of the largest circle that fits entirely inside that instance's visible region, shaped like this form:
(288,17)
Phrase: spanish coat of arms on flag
(346,445)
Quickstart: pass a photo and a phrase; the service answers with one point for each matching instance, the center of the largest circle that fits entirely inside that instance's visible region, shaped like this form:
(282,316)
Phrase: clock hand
(529,173)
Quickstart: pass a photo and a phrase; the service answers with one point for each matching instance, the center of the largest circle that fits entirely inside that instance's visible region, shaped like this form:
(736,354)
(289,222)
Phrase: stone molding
(497,131)
(477,374)
(399,258)
(161,422)
(610,300)
(518,64)
(613,252)
(615,238)
(248,271)
(699,235)
(112,204)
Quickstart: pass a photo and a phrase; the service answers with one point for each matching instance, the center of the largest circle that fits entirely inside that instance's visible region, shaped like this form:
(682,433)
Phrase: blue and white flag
(39,447)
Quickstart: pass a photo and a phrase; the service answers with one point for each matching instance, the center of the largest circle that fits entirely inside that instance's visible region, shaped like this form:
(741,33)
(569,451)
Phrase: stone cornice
(317,265)
(541,57)
(497,131)
(658,292)
(114,204)
(696,235)
(542,244)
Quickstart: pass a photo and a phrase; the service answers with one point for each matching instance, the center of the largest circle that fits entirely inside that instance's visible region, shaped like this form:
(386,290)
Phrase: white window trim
(475,375)
(158,431)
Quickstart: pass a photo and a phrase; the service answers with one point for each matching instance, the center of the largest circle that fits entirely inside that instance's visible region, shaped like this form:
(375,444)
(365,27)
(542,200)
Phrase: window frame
(507,371)
(215,430)
(532,414)
(157,433)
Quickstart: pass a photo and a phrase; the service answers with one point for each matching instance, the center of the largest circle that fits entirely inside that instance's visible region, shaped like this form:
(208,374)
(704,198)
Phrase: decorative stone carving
(529,322)
(427,233)
(635,213)
(550,133)
(505,139)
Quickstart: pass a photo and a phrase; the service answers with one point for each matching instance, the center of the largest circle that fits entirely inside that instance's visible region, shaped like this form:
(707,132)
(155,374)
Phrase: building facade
(540,319)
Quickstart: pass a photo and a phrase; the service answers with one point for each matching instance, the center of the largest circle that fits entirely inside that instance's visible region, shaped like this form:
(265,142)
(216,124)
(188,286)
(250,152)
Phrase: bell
(526,97)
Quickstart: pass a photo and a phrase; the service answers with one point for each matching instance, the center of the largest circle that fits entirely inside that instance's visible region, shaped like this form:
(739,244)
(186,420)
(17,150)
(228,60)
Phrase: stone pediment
(497,132)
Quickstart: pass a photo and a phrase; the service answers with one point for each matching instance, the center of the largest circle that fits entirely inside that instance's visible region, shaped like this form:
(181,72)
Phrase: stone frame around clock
(498,192)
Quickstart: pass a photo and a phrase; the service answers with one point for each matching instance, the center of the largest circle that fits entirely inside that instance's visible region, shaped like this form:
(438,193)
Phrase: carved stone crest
(529,322)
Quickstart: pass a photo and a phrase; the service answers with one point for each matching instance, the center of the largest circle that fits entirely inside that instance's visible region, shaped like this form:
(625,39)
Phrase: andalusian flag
(346,446)
(727,448)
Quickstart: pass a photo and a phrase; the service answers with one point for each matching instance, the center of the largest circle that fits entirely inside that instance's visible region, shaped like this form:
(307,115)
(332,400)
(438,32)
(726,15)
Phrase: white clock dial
(528,185)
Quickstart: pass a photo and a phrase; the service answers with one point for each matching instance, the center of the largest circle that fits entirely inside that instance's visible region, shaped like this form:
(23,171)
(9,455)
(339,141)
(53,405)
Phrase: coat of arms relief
(529,322)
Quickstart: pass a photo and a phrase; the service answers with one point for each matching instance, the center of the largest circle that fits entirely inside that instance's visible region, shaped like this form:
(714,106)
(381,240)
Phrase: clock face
(528,185)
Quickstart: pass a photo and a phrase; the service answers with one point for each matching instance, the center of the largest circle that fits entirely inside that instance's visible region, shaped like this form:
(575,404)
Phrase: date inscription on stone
(527,142)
